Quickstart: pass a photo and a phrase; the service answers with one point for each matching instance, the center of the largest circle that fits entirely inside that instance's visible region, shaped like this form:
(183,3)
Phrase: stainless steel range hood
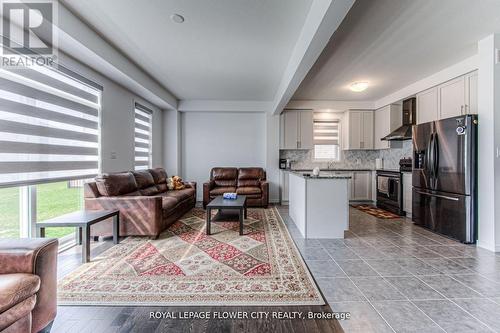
(409,114)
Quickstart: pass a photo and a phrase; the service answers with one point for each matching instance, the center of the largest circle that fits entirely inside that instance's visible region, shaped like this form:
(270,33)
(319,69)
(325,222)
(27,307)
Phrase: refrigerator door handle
(428,161)
(438,196)
(435,157)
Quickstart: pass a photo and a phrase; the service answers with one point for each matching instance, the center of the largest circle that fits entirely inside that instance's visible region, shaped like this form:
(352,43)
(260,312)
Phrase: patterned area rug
(377,212)
(187,267)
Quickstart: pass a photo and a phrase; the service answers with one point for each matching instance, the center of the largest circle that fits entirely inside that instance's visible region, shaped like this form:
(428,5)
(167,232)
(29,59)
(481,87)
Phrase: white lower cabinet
(284,187)
(407,193)
(361,186)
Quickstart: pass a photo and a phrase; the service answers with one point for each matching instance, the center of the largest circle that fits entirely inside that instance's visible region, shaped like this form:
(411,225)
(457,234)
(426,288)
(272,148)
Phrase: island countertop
(308,175)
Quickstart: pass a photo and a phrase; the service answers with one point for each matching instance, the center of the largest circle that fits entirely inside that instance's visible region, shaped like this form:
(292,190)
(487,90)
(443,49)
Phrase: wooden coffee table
(229,210)
(82,220)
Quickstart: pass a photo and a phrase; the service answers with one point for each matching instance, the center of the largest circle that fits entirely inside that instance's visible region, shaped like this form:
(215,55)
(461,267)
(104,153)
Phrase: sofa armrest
(264,186)
(35,256)
(190,184)
(207,187)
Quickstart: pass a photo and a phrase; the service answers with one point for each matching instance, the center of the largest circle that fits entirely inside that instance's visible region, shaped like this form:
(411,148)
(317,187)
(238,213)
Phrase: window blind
(326,133)
(143,122)
(49,126)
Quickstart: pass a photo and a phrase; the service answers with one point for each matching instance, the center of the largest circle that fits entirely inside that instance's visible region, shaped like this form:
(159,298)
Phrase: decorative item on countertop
(316,172)
(230,196)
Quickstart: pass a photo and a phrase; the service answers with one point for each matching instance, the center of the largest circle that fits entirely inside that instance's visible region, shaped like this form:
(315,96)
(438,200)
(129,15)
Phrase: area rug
(184,266)
(377,212)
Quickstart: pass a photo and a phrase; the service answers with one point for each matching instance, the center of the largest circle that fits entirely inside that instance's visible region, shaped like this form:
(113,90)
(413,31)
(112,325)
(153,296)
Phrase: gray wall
(210,139)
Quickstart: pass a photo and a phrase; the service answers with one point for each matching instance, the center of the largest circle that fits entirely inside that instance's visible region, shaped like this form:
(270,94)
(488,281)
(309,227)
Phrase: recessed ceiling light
(358,86)
(177,18)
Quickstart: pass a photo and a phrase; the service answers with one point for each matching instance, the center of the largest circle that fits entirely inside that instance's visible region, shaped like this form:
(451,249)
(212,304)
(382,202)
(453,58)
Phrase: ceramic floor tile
(451,317)
(417,266)
(324,268)
(343,252)
(413,288)
(356,268)
(314,253)
(480,284)
(484,310)
(377,289)
(364,318)
(449,287)
(447,266)
(403,316)
(388,267)
(339,290)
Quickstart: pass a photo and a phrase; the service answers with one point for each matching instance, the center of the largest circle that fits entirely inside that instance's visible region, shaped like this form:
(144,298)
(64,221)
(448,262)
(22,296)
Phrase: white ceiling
(393,43)
(225,49)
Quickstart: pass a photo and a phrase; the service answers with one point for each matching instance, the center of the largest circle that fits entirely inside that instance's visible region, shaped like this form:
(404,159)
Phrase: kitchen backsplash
(352,159)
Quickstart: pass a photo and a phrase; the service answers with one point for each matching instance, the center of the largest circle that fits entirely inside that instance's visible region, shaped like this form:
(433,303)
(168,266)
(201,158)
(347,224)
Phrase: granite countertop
(310,176)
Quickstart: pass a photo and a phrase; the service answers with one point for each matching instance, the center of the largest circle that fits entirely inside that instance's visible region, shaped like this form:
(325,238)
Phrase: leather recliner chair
(28,284)
(245,181)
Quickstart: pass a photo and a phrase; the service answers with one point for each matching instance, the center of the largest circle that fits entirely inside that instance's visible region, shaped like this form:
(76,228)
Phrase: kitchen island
(319,205)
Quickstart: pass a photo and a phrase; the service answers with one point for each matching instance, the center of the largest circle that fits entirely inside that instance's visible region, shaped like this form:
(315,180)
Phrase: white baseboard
(489,247)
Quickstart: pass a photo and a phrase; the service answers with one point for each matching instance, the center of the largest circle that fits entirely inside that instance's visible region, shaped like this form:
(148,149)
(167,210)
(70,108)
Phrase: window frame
(340,155)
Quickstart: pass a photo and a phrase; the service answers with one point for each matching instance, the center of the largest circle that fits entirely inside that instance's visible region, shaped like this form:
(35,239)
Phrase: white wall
(489,143)
(211,139)
(117,121)
(172,142)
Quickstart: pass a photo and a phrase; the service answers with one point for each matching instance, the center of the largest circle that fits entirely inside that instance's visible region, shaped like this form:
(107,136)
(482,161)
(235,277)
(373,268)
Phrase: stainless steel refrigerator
(445,177)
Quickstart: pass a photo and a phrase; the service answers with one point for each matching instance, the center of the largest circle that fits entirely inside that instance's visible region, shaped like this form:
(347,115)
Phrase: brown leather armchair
(245,181)
(28,284)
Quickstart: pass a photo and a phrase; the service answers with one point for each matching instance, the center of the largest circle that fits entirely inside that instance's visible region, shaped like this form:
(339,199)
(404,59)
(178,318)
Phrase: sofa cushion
(162,187)
(249,190)
(222,190)
(114,184)
(159,175)
(143,178)
(14,288)
(250,176)
(180,194)
(224,176)
(152,190)
(168,203)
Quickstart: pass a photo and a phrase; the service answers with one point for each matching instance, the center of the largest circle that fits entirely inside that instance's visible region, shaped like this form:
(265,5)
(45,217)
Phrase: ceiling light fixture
(358,86)
(177,18)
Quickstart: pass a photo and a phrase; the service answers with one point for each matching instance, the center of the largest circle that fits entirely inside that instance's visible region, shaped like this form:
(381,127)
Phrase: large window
(326,132)
(49,143)
(143,121)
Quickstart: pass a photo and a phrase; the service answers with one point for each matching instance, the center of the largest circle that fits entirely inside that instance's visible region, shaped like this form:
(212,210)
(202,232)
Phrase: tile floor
(393,276)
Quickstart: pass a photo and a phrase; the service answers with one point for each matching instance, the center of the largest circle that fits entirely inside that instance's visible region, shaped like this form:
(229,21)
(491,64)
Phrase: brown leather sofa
(146,205)
(248,181)
(28,284)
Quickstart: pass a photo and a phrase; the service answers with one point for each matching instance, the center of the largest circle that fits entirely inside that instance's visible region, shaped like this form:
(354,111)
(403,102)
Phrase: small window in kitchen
(326,129)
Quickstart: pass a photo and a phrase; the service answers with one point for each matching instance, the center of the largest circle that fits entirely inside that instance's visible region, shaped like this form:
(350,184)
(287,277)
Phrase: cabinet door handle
(362,144)
(465,109)
(461,109)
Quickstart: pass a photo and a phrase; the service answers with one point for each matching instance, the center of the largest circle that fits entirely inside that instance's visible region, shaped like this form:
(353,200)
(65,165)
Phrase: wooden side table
(83,220)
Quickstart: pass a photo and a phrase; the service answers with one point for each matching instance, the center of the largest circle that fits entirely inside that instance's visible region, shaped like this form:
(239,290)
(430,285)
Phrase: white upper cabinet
(357,130)
(471,93)
(452,98)
(427,105)
(387,119)
(296,129)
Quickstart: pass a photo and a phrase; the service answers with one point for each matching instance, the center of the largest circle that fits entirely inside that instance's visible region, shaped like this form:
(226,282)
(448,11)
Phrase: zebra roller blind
(143,122)
(49,126)
(326,131)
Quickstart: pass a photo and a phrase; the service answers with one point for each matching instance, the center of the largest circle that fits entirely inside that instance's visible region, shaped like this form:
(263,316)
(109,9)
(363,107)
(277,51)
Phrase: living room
(308,166)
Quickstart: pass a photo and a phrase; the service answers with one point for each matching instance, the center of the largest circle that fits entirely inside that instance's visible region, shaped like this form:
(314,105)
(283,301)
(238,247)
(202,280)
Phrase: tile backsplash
(352,159)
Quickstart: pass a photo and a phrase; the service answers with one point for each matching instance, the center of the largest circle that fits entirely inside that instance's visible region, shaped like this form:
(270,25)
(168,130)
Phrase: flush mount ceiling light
(177,18)
(358,86)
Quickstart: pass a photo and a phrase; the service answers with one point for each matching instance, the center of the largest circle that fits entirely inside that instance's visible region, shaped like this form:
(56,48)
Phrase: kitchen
(373,149)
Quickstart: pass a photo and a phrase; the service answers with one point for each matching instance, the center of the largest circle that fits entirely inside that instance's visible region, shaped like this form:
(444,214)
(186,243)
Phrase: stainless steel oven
(390,191)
